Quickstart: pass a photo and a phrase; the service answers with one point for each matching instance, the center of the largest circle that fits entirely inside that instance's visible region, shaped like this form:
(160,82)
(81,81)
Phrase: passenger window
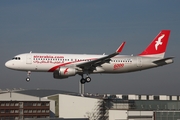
(15,58)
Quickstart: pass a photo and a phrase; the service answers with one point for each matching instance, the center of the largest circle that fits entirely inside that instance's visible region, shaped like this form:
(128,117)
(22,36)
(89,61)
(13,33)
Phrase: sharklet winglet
(120,47)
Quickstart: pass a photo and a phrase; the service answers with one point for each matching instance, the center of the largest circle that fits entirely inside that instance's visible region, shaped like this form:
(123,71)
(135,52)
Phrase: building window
(7,104)
(156,97)
(39,104)
(25,111)
(25,104)
(21,110)
(16,111)
(2,111)
(34,104)
(20,117)
(34,111)
(11,111)
(28,104)
(43,104)
(12,104)
(47,104)
(7,111)
(16,104)
(125,97)
(2,104)
(39,111)
(26,117)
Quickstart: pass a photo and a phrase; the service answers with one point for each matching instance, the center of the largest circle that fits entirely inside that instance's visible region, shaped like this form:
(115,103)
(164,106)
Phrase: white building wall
(174,97)
(168,98)
(143,97)
(151,97)
(78,107)
(117,114)
(119,96)
(133,97)
(162,97)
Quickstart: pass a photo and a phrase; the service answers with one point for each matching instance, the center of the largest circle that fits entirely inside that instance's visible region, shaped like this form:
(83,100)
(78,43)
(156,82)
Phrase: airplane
(68,65)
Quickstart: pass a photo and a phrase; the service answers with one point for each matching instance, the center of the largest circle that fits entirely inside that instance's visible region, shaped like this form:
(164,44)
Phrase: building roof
(44,92)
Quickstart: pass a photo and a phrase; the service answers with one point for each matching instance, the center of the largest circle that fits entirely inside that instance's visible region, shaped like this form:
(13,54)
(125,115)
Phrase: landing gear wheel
(88,79)
(28,79)
(28,76)
(83,81)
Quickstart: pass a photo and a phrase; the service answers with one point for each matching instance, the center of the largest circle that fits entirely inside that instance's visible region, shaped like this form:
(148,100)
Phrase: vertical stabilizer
(157,47)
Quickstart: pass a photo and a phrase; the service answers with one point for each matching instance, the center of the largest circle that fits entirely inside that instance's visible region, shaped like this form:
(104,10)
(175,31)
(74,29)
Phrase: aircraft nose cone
(7,64)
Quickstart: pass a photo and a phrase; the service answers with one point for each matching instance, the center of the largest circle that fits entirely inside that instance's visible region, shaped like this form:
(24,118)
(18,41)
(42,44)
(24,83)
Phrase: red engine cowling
(64,72)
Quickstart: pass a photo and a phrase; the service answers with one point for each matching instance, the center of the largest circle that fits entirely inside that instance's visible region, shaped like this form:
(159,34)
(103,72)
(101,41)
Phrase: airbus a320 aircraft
(67,65)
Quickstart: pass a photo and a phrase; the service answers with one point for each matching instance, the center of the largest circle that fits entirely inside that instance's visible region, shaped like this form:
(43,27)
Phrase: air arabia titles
(48,59)
(48,56)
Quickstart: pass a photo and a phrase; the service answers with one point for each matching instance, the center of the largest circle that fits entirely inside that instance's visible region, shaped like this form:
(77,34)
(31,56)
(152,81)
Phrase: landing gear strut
(84,80)
(28,76)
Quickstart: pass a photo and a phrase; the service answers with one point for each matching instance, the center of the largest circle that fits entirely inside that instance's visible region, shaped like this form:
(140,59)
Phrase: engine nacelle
(64,72)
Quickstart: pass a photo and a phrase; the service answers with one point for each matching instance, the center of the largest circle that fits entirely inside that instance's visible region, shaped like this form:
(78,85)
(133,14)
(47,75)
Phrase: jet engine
(64,72)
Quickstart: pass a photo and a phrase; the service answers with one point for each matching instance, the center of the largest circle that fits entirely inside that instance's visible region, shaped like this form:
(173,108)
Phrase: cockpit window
(16,58)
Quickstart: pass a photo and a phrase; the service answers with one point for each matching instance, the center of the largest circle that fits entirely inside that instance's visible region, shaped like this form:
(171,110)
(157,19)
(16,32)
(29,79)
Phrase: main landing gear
(28,76)
(84,80)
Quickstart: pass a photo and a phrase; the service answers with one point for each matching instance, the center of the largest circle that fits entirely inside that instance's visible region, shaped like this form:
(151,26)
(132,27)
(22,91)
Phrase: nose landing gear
(28,76)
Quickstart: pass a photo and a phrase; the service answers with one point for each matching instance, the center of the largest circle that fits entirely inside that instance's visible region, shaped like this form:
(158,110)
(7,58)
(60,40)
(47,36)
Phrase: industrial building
(57,104)
(24,109)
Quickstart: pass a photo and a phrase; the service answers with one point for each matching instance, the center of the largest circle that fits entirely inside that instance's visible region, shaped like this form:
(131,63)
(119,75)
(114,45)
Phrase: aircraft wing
(97,62)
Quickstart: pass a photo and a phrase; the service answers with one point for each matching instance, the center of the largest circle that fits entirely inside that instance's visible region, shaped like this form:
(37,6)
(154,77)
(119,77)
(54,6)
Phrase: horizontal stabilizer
(164,61)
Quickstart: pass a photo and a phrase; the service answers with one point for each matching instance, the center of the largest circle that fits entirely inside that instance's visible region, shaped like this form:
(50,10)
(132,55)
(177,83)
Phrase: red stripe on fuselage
(57,66)
(63,64)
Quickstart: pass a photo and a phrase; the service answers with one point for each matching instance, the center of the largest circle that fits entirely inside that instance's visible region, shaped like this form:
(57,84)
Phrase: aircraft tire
(88,79)
(83,81)
(28,79)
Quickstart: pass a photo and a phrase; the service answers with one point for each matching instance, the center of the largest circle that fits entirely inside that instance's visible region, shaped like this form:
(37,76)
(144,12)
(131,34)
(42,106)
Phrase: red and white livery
(67,65)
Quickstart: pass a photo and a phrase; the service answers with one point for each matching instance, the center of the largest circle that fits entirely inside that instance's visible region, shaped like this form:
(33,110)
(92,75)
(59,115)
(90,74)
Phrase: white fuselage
(46,62)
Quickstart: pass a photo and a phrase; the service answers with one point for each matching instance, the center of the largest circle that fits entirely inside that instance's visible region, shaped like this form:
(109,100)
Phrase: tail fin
(157,47)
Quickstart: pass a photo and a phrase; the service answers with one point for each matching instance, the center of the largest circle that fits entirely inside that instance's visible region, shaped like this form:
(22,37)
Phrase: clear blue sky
(97,27)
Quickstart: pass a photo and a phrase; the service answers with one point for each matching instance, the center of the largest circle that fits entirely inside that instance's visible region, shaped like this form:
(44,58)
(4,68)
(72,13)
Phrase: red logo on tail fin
(158,45)
(158,42)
